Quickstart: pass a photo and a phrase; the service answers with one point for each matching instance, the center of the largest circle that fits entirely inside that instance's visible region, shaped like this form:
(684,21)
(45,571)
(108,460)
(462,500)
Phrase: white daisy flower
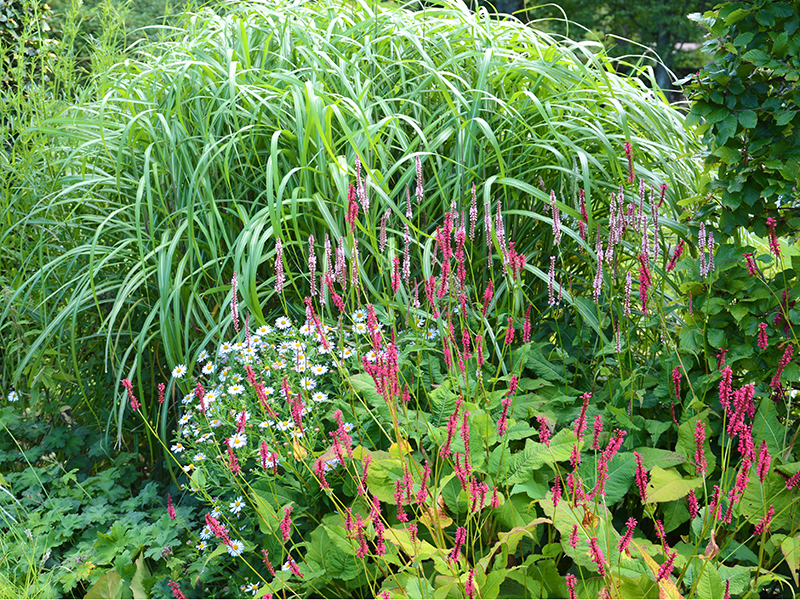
(225,348)
(235,390)
(360,315)
(188,398)
(432,334)
(203,356)
(238,440)
(208,369)
(347,352)
(199,456)
(307,383)
(215,423)
(319,369)
(204,438)
(188,468)
(269,391)
(348,427)
(185,419)
(237,506)
(216,513)
(252,588)
(179,371)
(283,323)
(210,397)
(360,328)
(13,396)
(371,356)
(305,330)
(201,545)
(205,533)
(235,548)
(263,330)
(284,425)
(264,425)
(319,397)
(177,448)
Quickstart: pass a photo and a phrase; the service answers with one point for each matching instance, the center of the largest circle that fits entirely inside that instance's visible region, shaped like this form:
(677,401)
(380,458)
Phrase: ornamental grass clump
(246,125)
(436,436)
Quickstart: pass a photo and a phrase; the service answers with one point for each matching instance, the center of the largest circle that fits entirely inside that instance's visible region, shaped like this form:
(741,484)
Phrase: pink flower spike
(234,303)
(626,539)
(571,581)
(597,556)
(170,508)
(469,587)
(764,524)
(176,591)
(629,156)
(764,460)
(286,523)
(763,341)
(774,244)
(693,507)
(676,255)
(161,388)
(135,404)
(279,276)
(700,454)
(666,569)
(641,476)
(597,429)
(573,537)
(750,263)
(510,331)
(461,537)
(544,430)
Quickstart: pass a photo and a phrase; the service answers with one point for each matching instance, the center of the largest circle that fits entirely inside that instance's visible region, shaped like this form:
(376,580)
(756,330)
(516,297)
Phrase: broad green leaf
(109,586)
(639,587)
(342,565)
(668,485)
(543,367)
(753,506)
(710,584)
(518,467)
(417,549)
(791,552)
(621,473)
(507,543)
(443,403)
(656,457)
(365,386)
(417,587)
(767,427)
(138,588)
(738,575)
(748,119)
(589,525)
